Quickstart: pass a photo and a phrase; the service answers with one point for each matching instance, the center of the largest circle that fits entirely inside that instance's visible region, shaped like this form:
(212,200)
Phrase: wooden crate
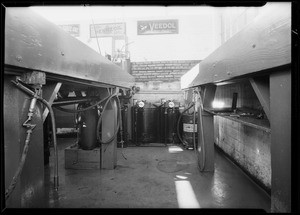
(82,159)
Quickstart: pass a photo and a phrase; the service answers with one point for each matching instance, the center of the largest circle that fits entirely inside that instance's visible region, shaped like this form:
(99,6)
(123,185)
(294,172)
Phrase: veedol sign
(107,30)
(71,29)
(157,27)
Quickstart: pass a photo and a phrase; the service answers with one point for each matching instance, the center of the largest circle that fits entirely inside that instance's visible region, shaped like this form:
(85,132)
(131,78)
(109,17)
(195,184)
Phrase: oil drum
(144,123)
(169,115)
(87,125)
(188,129)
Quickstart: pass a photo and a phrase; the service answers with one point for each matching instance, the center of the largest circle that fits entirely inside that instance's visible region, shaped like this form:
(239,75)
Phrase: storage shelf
(251,121)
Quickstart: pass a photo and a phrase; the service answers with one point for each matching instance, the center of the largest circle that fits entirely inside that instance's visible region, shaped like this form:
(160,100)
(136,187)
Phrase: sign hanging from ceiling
(72,29)
(153,27)
(107,30)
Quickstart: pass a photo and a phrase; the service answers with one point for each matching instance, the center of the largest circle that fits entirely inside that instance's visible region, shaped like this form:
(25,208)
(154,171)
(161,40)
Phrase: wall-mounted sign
(71,29)
(107,30)
(157,27)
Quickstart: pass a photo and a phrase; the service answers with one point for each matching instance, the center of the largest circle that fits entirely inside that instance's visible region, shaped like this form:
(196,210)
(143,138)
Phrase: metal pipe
(56,180)
(135,125)
(165,124)
(81,110)
(32,104)
(70,101)
(121,128)
(22,87)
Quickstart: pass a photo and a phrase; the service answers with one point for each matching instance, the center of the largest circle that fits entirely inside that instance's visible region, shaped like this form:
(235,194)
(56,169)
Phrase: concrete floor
(153,177)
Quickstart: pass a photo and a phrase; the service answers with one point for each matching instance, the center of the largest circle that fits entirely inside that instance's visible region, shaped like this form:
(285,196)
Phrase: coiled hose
(118,119)
(28,91)
(178,123)
(201,126)
(202,132)
(108,99)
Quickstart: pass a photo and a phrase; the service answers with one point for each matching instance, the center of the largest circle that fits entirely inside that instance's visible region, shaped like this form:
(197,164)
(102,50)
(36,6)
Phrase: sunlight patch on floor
(175,149)
(186,197)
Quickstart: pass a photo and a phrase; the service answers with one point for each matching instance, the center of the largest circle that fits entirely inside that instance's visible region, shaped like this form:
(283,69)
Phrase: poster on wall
(72,29)
(107,30)
(153,27)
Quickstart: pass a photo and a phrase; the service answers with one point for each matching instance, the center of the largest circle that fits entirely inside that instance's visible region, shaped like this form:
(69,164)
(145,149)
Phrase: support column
(280,118)
(206,149)
(109,125)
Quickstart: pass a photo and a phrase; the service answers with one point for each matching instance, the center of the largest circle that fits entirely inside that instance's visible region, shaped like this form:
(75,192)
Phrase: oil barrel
(145,124)
(169,117)
(188,126)
(87,136)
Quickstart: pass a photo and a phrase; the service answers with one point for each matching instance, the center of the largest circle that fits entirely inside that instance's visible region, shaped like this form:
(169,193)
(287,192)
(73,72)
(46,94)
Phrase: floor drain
(171,165)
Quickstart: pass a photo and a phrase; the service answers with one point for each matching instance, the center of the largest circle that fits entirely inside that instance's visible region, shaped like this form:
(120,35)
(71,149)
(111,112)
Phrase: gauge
(171,104)
(141,104)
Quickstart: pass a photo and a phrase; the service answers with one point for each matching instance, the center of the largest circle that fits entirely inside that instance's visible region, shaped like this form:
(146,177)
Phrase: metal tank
(169,114)
(188,129)
(87,127)
(144,123)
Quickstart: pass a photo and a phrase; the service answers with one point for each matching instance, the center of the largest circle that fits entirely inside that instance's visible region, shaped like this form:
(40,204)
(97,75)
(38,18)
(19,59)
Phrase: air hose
(118,119)
(202,132)
(30,127)
(28,91)
(178,123)
(201,126)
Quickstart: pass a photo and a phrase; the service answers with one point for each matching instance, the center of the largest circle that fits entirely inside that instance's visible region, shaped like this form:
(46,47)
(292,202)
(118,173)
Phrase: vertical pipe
(56,180)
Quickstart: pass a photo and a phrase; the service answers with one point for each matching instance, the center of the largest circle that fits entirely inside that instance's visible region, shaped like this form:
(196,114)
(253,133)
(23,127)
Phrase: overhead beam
(263,44)
(32,42)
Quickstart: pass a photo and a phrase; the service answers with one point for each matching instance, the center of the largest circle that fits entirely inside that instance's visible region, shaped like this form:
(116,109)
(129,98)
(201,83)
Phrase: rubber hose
(178,123)
(13,183)
(54,141)
(118,120)
(28,91)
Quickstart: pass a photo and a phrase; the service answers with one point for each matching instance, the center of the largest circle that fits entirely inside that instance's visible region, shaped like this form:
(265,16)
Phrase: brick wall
(161,70)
